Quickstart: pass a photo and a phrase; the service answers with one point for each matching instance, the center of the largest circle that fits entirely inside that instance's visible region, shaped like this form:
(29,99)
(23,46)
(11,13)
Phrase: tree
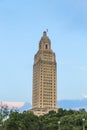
(69,120)
(22,121)
(4,112)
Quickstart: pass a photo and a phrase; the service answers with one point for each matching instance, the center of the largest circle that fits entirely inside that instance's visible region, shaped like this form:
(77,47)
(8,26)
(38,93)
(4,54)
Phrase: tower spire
(46,30)
(44,33)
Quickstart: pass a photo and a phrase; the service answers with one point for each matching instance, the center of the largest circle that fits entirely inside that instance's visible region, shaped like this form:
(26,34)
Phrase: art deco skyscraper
(44,78)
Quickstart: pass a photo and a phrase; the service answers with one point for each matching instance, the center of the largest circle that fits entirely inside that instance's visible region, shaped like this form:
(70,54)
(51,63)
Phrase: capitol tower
(44,93)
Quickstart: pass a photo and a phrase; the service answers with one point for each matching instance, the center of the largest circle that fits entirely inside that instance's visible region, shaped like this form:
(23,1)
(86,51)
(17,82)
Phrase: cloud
(84,95)
(13,104)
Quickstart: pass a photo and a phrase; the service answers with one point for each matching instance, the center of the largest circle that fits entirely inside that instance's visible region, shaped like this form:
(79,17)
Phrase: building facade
(44,97)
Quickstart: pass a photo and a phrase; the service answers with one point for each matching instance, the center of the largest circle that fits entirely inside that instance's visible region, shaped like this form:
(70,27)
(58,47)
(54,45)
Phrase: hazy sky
(22,23)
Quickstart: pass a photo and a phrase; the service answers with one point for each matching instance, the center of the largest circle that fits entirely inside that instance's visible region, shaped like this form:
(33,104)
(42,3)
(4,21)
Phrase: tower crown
(45,43)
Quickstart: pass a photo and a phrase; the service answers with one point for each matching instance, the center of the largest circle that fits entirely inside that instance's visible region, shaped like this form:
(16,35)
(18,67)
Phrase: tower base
(42,111)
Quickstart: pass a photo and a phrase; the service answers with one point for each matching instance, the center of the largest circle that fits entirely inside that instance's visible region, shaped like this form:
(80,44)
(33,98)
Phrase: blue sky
(22,23)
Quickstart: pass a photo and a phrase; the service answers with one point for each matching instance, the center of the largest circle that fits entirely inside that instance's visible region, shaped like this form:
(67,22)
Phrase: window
(46,46)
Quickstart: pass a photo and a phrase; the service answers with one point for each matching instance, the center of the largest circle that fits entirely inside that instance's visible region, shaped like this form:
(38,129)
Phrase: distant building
(44,97)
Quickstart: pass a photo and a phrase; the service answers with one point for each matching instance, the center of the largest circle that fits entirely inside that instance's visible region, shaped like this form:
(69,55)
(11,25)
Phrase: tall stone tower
(44,78)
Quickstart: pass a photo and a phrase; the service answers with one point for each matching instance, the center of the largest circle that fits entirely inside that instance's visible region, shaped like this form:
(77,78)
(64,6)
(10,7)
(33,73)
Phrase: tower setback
(44,97)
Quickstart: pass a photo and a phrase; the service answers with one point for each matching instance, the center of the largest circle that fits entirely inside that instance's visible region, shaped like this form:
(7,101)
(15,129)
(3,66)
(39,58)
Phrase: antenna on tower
(46,30)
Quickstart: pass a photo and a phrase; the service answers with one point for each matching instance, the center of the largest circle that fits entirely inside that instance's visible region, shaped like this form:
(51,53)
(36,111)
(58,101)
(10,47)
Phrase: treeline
(62,120)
